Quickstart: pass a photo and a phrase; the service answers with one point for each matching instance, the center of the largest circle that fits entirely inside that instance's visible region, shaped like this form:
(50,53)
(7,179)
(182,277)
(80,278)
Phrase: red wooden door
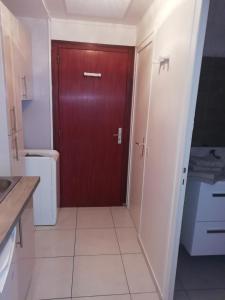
(88,112)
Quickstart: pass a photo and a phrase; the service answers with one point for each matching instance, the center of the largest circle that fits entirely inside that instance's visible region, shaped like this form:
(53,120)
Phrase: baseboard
(150,268)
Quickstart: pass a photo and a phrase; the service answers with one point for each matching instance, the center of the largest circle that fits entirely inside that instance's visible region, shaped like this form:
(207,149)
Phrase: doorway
(201,262)
(92,92)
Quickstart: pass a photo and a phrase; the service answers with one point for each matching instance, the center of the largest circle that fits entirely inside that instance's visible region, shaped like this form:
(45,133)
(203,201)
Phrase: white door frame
(193,74)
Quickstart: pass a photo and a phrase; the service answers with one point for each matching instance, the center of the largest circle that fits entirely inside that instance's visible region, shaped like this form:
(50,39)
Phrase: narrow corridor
(91,252)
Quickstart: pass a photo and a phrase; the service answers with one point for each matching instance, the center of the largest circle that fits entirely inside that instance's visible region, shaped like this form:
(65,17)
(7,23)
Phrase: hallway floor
(92,253)
(200,277)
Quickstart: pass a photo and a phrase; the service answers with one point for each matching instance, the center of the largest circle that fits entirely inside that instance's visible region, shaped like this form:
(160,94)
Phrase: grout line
(58,256)
(92,228)
(120,253)
(92,296)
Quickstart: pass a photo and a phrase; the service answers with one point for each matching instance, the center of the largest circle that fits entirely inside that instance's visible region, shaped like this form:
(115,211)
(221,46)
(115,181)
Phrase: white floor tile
(113,297)
(66,219)
(52,278)
(207,295)
(52,243)
(99,217)
(180,295)
(128,241)
(121,217)
(146,296)
(139,278)
(99,275)
(96,241)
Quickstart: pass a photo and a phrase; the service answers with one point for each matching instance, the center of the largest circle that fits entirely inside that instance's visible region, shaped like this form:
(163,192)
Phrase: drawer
(211,206)
(209,238)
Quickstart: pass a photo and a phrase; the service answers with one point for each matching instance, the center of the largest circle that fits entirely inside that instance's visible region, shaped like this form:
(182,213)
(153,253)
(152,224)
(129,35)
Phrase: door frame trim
(146,42)
(55,46)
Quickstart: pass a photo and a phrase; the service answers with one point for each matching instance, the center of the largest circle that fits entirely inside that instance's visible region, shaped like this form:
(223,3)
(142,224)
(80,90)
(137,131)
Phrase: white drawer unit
(211,204)
(208,238)
(203,228)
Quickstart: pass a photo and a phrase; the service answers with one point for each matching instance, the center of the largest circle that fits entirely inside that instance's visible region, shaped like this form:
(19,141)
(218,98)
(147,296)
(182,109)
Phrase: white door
(139,131)
(176,69)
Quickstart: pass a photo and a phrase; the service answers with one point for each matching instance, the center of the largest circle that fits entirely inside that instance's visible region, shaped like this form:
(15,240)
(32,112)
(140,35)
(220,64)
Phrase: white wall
(37,113)
(93,32)
(175,24)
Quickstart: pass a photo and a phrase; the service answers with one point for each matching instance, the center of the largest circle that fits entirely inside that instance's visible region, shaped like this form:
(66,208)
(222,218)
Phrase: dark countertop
(13,205)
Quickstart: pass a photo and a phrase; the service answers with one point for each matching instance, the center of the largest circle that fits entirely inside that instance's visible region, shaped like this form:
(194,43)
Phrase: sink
(6,185)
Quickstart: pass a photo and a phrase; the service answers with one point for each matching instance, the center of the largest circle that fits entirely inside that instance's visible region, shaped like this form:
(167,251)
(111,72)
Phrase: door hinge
(184,172)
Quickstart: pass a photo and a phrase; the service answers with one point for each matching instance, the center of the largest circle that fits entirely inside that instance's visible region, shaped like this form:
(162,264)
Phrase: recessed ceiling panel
(115,9)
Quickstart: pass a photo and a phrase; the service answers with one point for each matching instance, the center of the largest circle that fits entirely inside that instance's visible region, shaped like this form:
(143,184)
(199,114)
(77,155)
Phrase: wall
(215,33)
(93,32)
(37,113)
(176,27)
(210,115)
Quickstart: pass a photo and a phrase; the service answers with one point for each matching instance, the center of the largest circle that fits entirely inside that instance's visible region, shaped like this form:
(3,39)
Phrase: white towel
(207,161)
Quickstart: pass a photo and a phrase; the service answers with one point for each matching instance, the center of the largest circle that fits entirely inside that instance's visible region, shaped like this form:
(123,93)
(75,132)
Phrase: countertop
(13,205)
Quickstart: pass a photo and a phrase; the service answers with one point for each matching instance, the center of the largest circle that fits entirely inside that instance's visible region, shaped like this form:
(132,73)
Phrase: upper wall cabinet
(25,68)
(21,52)
(15,85)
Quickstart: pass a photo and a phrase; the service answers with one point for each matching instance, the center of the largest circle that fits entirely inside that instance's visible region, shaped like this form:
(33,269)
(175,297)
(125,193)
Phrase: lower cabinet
(10,291)
(25,251)
(203,228)
(21,268)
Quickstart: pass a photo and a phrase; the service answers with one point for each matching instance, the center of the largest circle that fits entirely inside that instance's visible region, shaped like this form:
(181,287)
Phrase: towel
(196,168)
(207,161)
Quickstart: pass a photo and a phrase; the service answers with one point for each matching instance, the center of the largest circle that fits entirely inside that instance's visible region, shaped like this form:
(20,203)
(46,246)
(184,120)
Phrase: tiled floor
(200,278)
(91,254)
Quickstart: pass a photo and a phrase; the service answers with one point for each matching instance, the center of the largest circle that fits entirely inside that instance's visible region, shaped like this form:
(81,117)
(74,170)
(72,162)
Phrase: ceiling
(27,8)
(113,11)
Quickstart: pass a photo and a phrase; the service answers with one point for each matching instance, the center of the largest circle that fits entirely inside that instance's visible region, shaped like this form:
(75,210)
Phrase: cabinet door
(6,29)
(10,37)
(10,291)
(25,52)
(25,251)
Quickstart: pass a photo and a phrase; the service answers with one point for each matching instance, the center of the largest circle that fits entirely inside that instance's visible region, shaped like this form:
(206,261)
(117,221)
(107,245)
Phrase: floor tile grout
(117,239)
(76,229)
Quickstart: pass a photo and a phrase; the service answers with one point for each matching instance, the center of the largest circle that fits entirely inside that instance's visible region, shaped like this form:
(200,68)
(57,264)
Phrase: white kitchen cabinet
(21,268)
(25,251)
(15,85)
(203,228)
(8,254)
(25,73)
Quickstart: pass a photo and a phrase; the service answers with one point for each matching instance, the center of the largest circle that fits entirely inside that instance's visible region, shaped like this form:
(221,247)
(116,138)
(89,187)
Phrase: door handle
(119,135)
(20,235)
(13,117)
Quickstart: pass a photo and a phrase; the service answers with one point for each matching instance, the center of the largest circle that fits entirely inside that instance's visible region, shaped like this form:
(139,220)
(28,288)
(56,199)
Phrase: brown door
(92,87)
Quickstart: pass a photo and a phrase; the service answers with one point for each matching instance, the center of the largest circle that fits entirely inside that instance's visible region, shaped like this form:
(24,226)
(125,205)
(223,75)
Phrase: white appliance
(44,163)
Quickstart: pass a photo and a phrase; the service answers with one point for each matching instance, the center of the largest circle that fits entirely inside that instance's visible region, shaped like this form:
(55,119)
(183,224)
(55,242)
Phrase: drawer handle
(210,231)
(218,195)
